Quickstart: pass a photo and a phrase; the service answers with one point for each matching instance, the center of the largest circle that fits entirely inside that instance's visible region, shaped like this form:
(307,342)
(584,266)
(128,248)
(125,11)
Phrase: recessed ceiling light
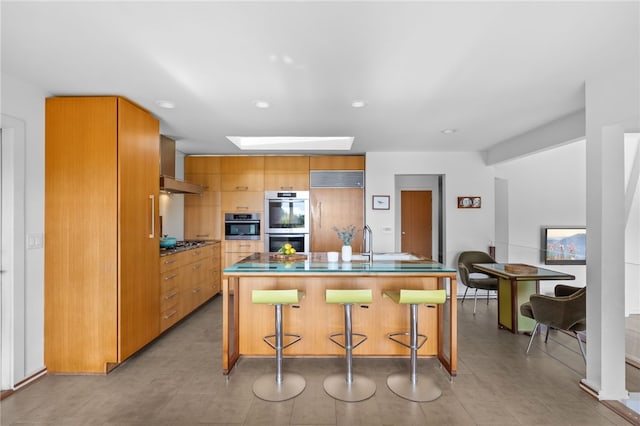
(261,104)
(448,131)
(320,143)
(165,104)
(358,104)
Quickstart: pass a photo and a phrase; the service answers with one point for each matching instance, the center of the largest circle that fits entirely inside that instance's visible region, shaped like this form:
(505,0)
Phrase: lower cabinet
(187,280)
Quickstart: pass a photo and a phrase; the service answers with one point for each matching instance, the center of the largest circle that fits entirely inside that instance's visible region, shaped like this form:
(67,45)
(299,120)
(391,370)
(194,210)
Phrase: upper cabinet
(102,232)
(286,173)
(242,173)
(337,162)
(202,211)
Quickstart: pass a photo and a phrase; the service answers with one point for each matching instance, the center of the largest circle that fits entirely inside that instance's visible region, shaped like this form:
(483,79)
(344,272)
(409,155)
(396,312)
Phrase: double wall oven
(286,220)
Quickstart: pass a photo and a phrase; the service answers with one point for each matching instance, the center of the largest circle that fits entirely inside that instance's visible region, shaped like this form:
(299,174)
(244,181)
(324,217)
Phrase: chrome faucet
(367,243)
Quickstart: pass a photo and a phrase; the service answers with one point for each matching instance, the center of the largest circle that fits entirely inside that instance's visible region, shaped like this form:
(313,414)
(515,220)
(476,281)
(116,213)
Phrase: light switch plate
(35,241)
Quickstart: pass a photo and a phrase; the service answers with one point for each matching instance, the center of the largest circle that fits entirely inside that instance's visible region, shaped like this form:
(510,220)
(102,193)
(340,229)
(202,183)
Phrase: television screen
(564,245)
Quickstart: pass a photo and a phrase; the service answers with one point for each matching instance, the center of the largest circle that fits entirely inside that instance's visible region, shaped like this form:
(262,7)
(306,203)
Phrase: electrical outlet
(35,241)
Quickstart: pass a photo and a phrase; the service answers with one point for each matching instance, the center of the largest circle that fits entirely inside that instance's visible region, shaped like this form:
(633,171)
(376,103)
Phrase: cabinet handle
(170,296)
(169,262)
(170,277)
(320,215)
(152,197)
(196,290)
(202,235)
(242,207)
(196,252)
(244,245)
(286,187)
(242,188)
(172,313)
(195,267)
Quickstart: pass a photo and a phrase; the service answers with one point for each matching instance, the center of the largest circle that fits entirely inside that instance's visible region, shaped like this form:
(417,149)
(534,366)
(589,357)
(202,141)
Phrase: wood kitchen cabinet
(337,162)
(336,206)
(202,217)
(187,280)
(102,232)
(242,173)
(286,173)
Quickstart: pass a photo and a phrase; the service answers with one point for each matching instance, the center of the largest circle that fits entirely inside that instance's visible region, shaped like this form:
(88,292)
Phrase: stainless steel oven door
(287,212)
(242,226)
(273,242)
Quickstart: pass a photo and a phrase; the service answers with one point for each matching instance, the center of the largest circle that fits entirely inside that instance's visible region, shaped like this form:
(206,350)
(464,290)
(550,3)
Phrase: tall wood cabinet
(101,232)
(202,219)
(335,206)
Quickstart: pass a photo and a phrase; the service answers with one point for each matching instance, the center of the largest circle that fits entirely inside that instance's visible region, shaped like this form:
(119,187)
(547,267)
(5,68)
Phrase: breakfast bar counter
(245,324)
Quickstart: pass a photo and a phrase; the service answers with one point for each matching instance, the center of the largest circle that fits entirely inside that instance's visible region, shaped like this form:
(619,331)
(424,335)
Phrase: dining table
(516,282)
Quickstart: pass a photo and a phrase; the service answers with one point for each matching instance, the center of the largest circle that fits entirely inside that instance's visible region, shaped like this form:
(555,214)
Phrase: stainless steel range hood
(168,182)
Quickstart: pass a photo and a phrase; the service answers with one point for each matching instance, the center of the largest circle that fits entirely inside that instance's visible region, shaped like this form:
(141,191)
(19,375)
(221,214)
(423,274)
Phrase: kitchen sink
(385,256)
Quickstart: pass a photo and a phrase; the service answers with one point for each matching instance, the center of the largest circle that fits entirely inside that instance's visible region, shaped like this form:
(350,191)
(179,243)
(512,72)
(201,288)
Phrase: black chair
(566,310)
(466,259)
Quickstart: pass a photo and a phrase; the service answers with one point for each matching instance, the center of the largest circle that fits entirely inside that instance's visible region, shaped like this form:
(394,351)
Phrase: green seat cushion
(349,296)
(417,296)
(276,297)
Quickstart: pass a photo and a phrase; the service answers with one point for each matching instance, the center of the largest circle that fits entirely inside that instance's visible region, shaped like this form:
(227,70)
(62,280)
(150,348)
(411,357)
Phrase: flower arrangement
(346,234)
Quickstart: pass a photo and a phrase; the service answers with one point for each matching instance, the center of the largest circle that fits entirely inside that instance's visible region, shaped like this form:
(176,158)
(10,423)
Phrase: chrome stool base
(359,389)
(267,388)
(423,390)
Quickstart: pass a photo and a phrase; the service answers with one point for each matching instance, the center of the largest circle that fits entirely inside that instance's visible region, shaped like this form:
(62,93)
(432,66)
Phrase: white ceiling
(491,70)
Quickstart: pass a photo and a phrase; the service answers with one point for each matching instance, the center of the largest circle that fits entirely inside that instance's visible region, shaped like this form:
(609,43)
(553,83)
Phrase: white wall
(26,103)
(464,174)
(546,188)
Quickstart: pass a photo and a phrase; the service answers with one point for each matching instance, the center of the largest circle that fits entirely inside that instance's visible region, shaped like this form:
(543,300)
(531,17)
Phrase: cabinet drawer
(243,246)
(169,299)
(169,317)
(170,279)
(169,262)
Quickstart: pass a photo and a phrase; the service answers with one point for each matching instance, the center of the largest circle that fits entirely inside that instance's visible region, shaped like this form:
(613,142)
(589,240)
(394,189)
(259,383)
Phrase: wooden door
(416,226)
(338,207)
(138,171)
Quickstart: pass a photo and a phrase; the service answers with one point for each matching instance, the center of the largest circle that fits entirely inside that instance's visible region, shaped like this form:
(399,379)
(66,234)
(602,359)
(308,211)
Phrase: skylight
(330,143)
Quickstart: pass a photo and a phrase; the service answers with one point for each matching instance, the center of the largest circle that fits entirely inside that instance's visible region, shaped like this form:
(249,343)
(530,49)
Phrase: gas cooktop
(182,245)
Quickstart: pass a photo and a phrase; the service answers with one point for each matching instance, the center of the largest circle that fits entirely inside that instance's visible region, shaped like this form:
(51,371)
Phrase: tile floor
(177,380)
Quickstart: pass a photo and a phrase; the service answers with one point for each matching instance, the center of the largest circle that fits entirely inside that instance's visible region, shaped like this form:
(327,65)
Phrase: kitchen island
(245,324)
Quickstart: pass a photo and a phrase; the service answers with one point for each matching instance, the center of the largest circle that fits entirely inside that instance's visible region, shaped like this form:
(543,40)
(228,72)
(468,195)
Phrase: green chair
(472,278)
(282,386)
(566,310)
(349,387)
(414,387)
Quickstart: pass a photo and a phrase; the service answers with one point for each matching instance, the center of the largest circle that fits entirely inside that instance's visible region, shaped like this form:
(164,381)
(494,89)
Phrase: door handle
(152,197)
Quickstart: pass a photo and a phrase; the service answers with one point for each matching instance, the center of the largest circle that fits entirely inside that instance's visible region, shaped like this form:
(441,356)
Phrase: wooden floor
(177,380)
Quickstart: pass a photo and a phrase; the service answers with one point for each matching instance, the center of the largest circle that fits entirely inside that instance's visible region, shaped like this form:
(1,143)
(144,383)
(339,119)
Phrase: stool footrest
(363,337)
(273,346)
(421,342)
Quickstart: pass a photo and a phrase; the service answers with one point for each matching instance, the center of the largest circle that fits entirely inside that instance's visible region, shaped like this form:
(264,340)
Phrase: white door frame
(12,250)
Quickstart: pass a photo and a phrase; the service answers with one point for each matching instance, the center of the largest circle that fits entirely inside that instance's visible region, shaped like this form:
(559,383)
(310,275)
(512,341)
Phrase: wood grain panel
(337,162)
(138,169)
(315,319)
(202,164)
(335,207)
(81,264)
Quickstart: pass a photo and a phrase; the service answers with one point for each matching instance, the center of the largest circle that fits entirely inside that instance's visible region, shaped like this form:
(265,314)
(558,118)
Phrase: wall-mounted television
(564,245)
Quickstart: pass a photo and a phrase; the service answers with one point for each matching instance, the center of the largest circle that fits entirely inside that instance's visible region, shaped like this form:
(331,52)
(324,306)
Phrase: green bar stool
(414,387)
(282,386)
(350,387)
